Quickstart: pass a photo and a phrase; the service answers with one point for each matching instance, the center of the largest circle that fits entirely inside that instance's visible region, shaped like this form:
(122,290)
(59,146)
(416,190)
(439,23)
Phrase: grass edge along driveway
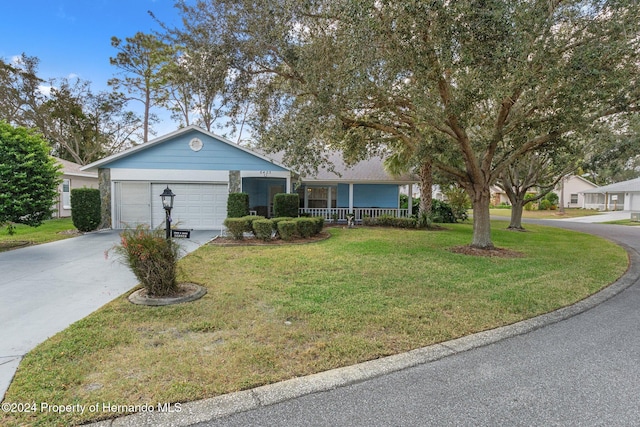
(273,313)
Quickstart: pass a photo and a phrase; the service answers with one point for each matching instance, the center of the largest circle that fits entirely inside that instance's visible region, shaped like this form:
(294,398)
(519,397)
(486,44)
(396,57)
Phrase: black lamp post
(167,203)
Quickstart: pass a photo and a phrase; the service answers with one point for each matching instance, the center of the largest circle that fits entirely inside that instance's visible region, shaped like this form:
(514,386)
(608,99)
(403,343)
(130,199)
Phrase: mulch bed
(252,241)
(495,252)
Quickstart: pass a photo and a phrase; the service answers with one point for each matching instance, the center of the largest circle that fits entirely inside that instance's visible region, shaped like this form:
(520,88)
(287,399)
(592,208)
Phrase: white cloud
(45,90)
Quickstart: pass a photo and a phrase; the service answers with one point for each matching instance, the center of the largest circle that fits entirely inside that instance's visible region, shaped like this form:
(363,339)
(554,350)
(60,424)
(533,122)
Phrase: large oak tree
(480,83)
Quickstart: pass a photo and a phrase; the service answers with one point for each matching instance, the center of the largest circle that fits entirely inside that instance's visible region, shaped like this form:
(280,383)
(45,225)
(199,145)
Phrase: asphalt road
(582,371)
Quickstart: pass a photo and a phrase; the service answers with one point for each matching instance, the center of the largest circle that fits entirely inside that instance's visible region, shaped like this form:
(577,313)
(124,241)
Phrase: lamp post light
(167,203)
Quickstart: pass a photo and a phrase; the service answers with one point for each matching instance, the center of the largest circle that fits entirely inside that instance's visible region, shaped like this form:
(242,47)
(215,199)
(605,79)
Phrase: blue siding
(369,196)
(375,196)
(176,154)
(342,198)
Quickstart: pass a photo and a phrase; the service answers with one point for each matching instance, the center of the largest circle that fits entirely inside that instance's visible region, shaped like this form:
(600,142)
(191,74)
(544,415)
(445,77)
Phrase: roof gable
(173,151)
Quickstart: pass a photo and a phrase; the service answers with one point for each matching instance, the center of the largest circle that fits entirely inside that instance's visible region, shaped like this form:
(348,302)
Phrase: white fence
(340,214)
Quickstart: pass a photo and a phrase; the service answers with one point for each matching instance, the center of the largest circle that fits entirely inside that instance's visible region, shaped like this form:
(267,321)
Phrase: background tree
(28,177)
(84,126)
(614,150)
(195,83)
(531,178)
(80,124)
(21,94)
(142,60)
(493,79)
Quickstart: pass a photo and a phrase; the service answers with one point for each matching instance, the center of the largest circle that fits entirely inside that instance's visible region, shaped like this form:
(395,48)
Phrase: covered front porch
(336,201)
(341,214)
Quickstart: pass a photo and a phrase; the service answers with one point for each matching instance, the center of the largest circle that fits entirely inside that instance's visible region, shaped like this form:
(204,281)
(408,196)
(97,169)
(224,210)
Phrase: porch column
(351,197)
(287,188)
(329,198)
(410,200)
(306,197)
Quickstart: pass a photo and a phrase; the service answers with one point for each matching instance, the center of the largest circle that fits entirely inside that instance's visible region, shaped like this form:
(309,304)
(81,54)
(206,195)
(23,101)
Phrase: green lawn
(49,231)
(274,313)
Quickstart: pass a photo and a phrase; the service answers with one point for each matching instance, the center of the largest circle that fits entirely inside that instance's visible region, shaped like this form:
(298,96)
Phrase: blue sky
(73,37)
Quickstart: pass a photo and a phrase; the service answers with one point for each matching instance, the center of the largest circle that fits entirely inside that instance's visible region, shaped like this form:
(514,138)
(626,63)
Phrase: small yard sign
(184,234)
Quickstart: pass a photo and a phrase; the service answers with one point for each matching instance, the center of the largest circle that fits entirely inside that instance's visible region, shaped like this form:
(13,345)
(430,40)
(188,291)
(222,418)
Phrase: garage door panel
(134,204)
(197,206)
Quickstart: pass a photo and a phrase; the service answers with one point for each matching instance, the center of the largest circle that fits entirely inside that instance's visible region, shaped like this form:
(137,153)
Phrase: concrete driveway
(45,288)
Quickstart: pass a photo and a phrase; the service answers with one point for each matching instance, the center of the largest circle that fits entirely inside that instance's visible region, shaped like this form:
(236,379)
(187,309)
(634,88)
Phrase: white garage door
(196,206)
(133,204)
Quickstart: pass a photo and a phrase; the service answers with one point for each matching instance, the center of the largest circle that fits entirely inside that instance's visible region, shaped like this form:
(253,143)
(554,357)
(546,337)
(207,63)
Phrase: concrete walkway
(576,366)
(45,288)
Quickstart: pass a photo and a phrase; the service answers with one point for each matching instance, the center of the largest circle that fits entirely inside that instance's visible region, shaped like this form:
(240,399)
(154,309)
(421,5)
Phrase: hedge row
(391,221)
(287,228)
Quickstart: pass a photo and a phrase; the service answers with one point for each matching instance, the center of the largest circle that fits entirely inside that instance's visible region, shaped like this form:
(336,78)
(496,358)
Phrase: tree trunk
(516,215)
(426,182)
(481,199)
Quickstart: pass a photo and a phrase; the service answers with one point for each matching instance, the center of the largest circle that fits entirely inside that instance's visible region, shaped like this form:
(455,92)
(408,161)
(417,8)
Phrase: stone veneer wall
(104,184)
(235,182)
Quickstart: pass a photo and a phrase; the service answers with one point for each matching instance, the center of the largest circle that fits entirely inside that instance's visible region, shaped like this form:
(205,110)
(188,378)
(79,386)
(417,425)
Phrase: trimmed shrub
(85,208)
(406,223)
(285,204)
(237,205)
(236,226)
(263,229)
(306,227)
(276,220)
(319,221)
(152,258)
(287,229)
(249,222)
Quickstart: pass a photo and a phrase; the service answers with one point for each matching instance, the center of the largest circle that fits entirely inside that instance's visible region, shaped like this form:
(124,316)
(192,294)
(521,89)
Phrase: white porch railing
(340,214)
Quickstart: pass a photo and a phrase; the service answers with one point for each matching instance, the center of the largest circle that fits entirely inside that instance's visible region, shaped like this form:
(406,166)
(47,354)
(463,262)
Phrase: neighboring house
(498,196)
(202,169)
(72,177)
(619,196)
(571,190)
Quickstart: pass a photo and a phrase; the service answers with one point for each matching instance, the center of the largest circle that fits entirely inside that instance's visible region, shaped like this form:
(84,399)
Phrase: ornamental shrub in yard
(236,226)
(152,258)
(276,220)
(287,229)
(285,204)
(85,208)
(263,229)
(306,227)
(237,205)
(249,222)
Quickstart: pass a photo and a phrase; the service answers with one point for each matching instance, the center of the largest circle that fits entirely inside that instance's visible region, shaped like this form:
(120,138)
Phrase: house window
(574,199)
(318,197)
(66,194)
